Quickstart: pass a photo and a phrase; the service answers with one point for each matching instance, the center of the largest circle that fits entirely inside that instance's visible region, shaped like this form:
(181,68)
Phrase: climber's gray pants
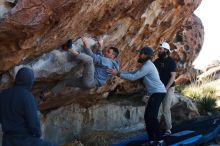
(86,81)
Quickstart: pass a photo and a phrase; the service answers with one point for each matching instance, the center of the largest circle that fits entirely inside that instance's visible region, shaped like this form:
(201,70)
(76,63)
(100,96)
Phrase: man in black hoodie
(18,113)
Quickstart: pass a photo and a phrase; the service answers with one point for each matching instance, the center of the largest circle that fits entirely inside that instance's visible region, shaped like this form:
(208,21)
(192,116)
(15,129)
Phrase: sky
(209,13)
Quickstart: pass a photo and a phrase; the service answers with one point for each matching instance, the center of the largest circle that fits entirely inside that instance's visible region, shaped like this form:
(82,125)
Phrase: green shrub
(192,91)
(179,88)
(204,95)
(207,104)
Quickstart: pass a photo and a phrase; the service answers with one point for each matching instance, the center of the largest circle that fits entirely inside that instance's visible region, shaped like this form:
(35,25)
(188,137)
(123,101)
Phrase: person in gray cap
(148,72)
(166,67)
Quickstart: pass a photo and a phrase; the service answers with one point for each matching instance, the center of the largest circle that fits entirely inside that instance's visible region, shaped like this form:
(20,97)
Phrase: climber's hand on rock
(113,72)
(101,42)
(85,42)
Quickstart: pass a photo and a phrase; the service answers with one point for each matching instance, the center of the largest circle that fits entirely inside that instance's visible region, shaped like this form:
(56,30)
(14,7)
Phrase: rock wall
(76,122)
(187,44)
(31,32)
(30,28)
(39,26)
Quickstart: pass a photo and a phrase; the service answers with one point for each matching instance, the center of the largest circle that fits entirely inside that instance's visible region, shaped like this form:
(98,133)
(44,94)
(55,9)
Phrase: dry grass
(203,94)
(198,91)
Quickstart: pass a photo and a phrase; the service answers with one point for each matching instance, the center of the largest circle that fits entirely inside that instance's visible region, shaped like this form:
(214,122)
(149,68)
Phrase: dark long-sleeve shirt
(18,110)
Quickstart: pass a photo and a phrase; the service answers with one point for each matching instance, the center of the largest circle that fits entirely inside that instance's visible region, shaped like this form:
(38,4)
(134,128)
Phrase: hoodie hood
(25,77)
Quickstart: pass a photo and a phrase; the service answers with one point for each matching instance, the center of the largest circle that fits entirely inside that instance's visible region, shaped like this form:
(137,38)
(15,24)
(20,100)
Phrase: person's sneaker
(160,143)
(67,45)
(154,143)
(167,133)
